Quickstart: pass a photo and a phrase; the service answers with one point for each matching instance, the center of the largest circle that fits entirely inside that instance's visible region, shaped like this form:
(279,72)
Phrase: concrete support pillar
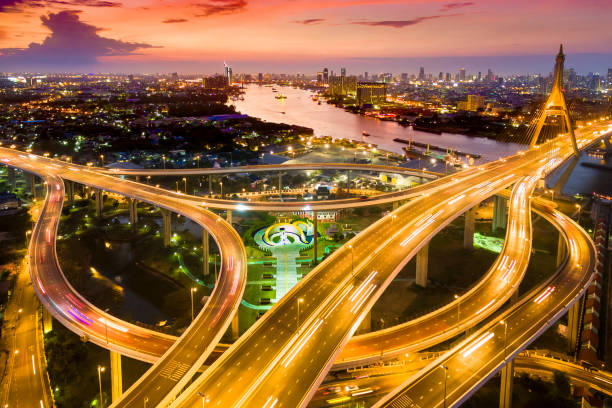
(205,252)
(500,213)
(315,221)
(468,231)
(31,184)
(116,375)
(166,226)
(133,207)
(229,216)
(210,191)
(421,266)
(11,177)
(69,190)
(99,202)
(561,250)
(573,317)
(348,182)
(235,327)
(47,321)
(505,391)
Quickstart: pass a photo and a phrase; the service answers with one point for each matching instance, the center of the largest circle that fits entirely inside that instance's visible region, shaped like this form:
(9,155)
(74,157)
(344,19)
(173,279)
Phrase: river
(328,120)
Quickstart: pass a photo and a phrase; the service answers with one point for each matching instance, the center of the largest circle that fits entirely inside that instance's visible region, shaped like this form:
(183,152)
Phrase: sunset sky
(303,35)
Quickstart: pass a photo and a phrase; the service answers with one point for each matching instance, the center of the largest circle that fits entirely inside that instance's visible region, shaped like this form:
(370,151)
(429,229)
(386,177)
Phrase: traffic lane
(470,364)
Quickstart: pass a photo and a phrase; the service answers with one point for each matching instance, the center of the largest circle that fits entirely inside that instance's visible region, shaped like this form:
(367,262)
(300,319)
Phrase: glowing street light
(193,290)
(100,371)
(300,300)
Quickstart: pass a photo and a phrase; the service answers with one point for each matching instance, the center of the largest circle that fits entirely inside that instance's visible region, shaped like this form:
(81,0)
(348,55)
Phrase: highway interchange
(328,316)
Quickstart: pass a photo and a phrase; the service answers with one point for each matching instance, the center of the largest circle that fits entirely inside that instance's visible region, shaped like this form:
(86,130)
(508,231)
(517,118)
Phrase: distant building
(448,76)
(374,93)
(366,75)
(490,77)
(441,76)
(343,72)
(609,77)
(462,74)
(175,77)
(215,82)
(475,102)
(325,75)
(228,73)
(342,86)
(422,74)
(260,77)
(320,77)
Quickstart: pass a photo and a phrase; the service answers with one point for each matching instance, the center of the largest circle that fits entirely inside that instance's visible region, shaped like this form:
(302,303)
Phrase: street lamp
(177,190)
(193,290)
(458,308)
(198,159)
(185,181)
(221,185)
(552,195)
(164,160)
(100,371)
(300,300)
(28,232)
(102,159)
(505,336)
(445,375)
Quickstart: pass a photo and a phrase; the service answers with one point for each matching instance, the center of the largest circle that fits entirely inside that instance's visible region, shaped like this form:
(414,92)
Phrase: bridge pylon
(556,106)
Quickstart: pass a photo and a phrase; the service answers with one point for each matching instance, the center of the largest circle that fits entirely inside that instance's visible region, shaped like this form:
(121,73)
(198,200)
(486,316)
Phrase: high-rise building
(374,93)
(404,77)
(475,102)
(448,76)
(175,77)
(260,77)
(325,75)
(366,75)
(462,74)
(441,76)
(342,86)
(228,73)
(320,77)
(609,76)
(479,76)
(343,72)
(490,77)
(422,74)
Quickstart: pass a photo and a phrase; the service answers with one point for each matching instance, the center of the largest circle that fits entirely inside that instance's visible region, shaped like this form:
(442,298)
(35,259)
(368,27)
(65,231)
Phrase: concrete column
(116,375)
(561,250)
(500,213)
(229,216)
(468,231)
(47,321)
(11,177)
(316,222)
(205,251)
(166,226)
(235,327)
(99,202)
(505,391)
(421,266)
(573,316)
(31,184)
(69,190)
(348,182)
(133,207)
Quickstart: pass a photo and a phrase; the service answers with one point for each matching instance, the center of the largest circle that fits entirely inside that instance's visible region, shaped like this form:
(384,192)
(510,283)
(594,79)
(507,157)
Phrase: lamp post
(28,232)
(300,300)
(193,290)
(505,336)
(177,190)
(445,375)
(100,371)
(185,181)
(221,185)
(458,308)
(164,160)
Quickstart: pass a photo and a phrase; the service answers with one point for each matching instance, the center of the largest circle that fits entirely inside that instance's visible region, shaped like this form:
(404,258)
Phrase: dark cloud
(72,43)
(457,5)
(309,21)
(175,20)
(10,5)
(401,23)
(221,7)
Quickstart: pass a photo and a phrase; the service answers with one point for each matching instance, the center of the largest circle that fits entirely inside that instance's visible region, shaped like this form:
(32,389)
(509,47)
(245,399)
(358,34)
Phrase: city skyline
(365,35)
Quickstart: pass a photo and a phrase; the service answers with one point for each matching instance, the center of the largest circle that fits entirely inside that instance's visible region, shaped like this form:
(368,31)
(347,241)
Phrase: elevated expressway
(182,358)
(294,354)
(471,363)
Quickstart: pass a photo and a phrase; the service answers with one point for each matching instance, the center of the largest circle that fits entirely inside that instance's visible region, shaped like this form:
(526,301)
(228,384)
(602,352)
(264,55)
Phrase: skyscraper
(342,72)
(228,73)
(441,76)
(479,76)
(609,76)
(404,77)
(325,75)
(422,74)
(260,77)
(462,74)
